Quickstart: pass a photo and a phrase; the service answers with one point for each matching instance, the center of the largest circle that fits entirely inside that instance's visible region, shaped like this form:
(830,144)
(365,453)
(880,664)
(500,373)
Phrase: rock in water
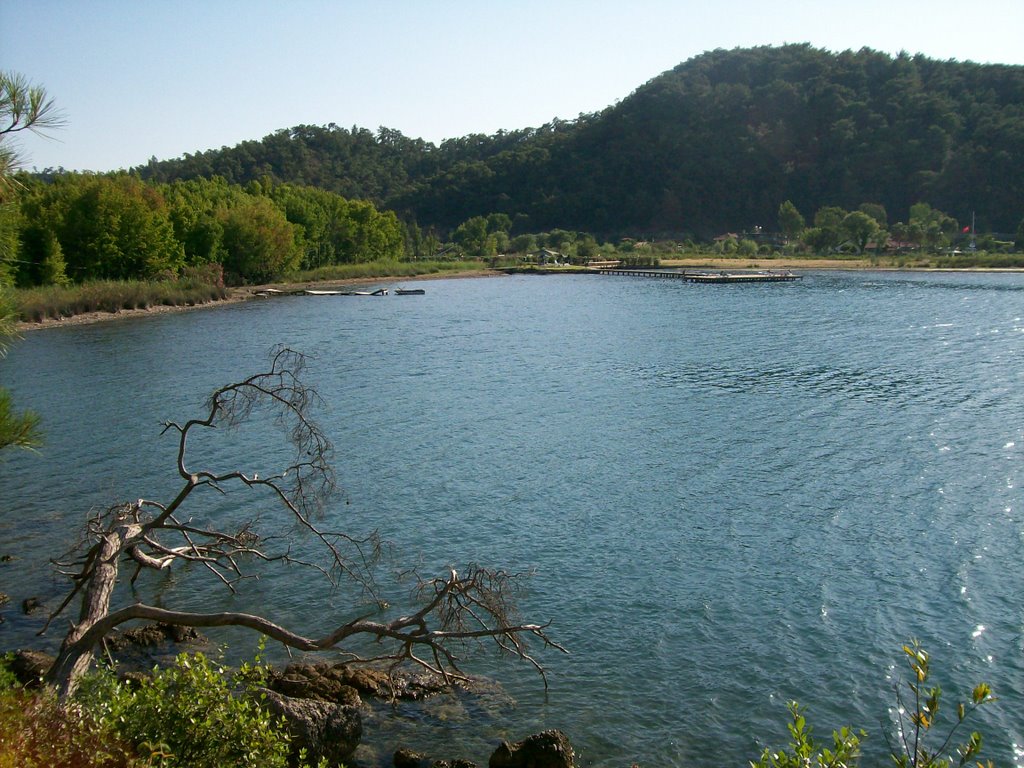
(550,749)
(325,729)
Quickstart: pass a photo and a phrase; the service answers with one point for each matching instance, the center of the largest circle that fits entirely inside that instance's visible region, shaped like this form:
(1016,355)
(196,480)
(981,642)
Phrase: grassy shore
(38,305)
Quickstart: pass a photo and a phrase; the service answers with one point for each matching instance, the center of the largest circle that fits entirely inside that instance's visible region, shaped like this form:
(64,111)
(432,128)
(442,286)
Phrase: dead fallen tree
(474,605)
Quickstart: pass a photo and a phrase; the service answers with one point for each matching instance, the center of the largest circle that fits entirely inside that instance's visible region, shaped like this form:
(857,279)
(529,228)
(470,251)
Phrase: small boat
(378,292)
(311,292)
(409,291)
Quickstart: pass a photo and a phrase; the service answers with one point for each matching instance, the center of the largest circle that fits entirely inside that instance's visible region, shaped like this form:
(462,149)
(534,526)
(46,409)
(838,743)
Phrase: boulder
(324,729)
(370,682)
(314,681)
(550,749)
(340,683)
(30,666)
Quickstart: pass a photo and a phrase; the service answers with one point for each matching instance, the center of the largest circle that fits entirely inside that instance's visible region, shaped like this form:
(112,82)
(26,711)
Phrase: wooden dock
(767,276)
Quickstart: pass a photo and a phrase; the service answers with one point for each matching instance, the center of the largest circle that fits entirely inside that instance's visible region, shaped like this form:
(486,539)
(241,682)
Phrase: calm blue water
(730,496)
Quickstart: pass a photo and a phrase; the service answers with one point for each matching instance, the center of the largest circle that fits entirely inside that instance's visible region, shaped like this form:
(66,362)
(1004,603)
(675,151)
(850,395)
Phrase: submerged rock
(30,605)
(407,758)
(152,635)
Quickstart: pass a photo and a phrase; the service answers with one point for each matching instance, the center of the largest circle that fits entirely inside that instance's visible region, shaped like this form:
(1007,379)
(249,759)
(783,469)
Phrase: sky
(137,79)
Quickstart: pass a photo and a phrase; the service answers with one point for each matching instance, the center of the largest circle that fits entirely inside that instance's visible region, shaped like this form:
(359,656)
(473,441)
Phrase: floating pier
(766,276)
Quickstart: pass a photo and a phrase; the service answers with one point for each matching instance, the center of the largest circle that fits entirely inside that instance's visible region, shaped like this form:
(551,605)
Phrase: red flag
(967,229)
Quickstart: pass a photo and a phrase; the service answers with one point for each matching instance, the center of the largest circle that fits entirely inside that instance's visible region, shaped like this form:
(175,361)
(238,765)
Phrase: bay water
(728,497)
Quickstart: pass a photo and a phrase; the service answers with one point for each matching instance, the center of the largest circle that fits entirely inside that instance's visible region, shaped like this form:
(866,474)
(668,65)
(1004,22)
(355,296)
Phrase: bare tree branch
(408,632)
(454,611)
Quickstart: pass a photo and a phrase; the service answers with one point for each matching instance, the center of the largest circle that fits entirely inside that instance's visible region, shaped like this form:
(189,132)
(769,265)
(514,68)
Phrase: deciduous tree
(791,221)
(118,229)
(259,243)
(859,229)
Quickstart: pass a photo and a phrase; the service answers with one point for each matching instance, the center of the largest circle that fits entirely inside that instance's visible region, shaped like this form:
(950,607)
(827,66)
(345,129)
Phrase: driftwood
(472,605)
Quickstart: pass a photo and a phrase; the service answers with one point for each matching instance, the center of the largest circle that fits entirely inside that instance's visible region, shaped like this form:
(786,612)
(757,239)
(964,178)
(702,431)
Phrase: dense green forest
(748,151)
(80,227)
(714,145)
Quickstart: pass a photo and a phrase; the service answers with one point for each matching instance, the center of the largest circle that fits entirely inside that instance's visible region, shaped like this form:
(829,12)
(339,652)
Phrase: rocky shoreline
(324,705)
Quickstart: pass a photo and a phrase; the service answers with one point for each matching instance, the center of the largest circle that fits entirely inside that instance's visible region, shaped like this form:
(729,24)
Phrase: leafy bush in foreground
(188,716)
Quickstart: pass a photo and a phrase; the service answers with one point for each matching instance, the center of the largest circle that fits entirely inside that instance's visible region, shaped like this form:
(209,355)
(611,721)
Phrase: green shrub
(804,752)
(8,679)
(917,713)
(192,715)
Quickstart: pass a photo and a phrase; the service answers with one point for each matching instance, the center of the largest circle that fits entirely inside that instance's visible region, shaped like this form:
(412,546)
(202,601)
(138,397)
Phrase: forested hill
(715,144)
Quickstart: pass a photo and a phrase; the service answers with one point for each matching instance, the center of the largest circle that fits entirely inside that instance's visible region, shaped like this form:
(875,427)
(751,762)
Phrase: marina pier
(765,276)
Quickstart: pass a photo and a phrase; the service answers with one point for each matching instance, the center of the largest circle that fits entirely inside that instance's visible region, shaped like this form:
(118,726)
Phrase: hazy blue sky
(142,78)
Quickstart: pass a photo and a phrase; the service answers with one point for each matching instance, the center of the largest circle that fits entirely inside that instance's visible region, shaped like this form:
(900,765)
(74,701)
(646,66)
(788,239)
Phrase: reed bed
(980,261)
(34,305)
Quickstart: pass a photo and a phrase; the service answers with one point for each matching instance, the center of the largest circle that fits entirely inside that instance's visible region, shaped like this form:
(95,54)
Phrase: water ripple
(730,498)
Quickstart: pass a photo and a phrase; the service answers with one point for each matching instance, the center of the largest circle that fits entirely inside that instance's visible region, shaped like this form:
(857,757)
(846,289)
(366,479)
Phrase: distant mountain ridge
(715,144)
